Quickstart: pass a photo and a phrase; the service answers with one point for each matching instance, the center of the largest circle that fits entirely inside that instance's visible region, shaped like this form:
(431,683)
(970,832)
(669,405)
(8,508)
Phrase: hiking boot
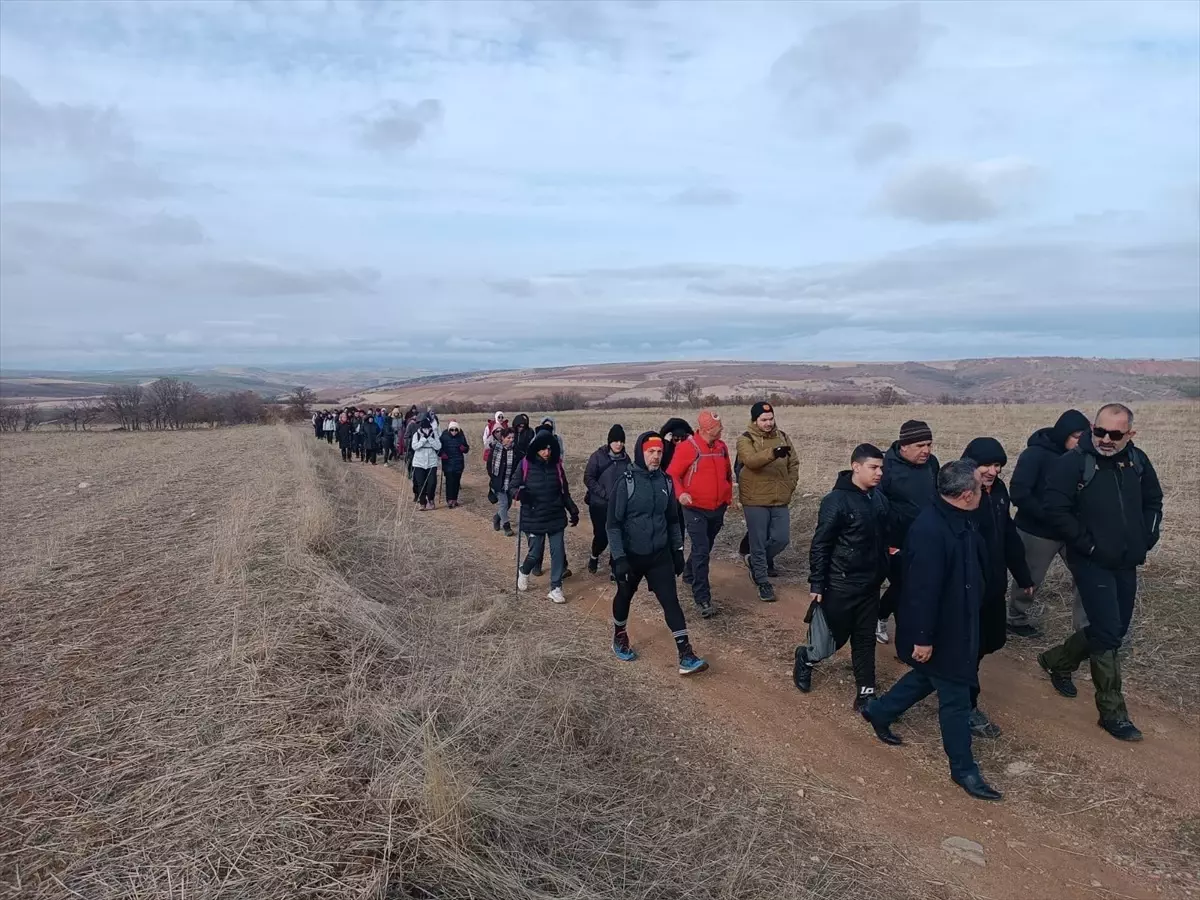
(522,581)
(508,532)
(881,632)
(883,732)
(496,522)
(537,573)
(621,646)
(978,788)
(557,595)
(864,696)
(689,662)
(981,725)
(707,610)
(1121,729)
(1024,630)
(766,593)
(593,565)
(567,573)
(802,671)
(1061,683)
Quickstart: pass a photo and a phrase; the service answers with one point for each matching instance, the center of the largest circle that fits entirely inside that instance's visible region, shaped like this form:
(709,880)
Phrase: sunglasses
(1111,435)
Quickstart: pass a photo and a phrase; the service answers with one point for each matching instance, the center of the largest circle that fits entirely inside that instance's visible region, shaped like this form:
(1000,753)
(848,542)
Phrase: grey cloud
(955,192)
(83,130)
(164,228)
(397,126)
(852,58)
(705,196)
(259,279)
(880,141)
(514,287)
(126,179)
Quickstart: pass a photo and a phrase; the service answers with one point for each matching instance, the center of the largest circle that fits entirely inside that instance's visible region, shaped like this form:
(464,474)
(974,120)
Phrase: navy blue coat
(944,563)
(453,452)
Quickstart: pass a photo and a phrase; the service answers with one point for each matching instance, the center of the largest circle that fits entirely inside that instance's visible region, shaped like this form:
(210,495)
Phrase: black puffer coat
(849,551)
(676,428)
(540,486)
(648,521)
(454,452)
(371,435)
(908,488)
(598,479)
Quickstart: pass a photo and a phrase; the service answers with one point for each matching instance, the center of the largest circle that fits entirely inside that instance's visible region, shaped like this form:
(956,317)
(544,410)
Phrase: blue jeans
(954,705)
(558,556)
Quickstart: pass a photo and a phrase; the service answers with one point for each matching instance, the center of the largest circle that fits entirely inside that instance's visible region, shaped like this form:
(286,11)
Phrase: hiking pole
(516,586)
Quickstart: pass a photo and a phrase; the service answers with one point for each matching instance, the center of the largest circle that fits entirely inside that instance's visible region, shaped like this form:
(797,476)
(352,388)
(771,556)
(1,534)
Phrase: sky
(460,185)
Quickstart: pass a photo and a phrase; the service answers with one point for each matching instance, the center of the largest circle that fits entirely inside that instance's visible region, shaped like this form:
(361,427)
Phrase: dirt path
(1084,816)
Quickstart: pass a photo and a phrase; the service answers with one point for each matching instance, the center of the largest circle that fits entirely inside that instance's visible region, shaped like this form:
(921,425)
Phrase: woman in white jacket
(426,445)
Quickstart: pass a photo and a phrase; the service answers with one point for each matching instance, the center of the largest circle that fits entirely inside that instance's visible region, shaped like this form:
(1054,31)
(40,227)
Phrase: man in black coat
(645,531)
(1006,554)
(937,632)
(1104,501)
(604,466)
(847,563)
(1028,488)
(540,486)
(910,484)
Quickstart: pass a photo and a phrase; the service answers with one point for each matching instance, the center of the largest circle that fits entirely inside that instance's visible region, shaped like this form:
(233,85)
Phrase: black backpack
(1136,460)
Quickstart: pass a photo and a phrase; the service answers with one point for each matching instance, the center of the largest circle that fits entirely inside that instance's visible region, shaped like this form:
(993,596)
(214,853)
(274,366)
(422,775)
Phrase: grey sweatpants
(770,529)
(1039,554)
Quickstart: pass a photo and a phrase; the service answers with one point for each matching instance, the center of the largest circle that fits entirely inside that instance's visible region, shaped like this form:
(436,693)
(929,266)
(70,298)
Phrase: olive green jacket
(765,480)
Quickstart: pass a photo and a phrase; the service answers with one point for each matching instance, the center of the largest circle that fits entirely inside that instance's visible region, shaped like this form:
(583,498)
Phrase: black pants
(703,526)
(329,437)
(346,451)
(599,516)
(1108,596)
(425,485)
(851,616)
(659,572)
(370,455)
(889,604)
(453,483)
(388,452)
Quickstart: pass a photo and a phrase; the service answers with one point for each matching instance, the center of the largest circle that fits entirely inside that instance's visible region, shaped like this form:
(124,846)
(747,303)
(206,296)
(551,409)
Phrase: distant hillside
(1025,379)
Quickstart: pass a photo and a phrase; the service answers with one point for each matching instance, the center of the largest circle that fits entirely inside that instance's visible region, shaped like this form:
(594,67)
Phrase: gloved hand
(621,568)
(492,498)
(574,515)
(525,499)
(782,451)
(677,558)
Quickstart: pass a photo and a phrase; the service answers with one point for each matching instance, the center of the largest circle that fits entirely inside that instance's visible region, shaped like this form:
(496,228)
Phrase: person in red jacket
(703,476)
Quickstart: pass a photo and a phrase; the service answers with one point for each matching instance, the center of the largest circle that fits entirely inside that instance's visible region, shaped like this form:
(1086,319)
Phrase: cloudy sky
(464,184)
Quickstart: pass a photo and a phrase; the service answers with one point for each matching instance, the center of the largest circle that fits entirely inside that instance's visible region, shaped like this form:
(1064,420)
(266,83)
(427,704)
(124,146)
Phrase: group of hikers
(942,537)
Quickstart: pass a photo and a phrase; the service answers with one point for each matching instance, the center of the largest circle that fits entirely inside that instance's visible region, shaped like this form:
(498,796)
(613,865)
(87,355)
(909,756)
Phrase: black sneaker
(495,523)
(537,573)
(981,725)
(802,671)
(508,532)
(766,593)
(567,573)
(593,565)
(864,696)
(1121,729)
(772,572)
(707,610)
(1024,631)
(1061,683)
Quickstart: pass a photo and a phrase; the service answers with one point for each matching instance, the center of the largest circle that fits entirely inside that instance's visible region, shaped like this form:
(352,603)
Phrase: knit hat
(914,431)
(986,451)
(1068,423)
(708,421)
(453,425)
(759,408)
(616,433)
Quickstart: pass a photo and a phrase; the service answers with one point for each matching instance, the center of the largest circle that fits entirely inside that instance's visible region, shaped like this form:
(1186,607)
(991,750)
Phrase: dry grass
(1164,657)
(231,672)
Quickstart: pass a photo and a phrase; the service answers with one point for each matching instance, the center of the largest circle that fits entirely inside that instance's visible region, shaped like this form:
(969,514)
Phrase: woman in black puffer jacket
(540,486)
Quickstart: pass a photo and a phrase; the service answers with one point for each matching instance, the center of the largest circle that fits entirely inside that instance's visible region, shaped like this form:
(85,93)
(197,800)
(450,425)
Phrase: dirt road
(1084,816)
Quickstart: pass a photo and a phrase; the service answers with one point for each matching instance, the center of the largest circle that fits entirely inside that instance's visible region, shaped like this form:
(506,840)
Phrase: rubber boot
(1106,678)
(1067,656)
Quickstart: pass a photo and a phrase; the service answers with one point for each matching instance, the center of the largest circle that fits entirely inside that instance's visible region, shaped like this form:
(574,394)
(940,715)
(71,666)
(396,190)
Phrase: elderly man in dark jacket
(938,629)
(847,563)
(454,460)
(1028,488)
(910,484)
(645,532)
(1104,501)
(1005,554)
(603,467)
(540,486)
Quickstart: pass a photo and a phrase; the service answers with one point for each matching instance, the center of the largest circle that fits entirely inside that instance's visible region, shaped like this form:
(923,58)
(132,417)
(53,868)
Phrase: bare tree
(299,403)
(10,416)
(31,416)
(124,403)
(673,391)
(170,401)
(691,390)
(889,396)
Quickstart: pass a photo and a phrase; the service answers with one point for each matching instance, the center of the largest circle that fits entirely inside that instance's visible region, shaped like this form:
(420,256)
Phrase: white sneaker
(881,632)
(557,596)
(522,581)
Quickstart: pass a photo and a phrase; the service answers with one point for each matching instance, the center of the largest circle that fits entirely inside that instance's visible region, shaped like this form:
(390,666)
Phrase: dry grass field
(233,666)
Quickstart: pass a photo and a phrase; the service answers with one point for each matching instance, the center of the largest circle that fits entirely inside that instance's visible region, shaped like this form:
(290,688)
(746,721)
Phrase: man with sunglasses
(1103,499)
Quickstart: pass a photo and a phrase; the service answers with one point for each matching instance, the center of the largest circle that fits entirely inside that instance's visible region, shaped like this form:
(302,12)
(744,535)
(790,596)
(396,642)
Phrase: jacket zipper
(1124,518)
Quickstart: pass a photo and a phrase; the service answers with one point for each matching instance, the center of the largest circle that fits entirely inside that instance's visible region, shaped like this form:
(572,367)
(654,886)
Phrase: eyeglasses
(1105,432)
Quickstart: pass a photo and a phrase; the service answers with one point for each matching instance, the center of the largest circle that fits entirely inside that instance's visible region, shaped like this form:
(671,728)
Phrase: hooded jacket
(1029,478)
(703,471)
(345,431)
(454,451)
(909,489)
(540,486)
(372,435)
(548,425)
(944,561)
(1115,519)
(676,428)
(646,522)
(596,475)
(849,551)
(524,434)
(425,446)
(766,480)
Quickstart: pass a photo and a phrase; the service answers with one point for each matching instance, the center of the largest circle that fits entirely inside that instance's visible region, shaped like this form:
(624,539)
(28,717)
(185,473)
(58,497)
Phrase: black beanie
(759,408)
(616,433)
(986,451)
(1068,423)
(914,431)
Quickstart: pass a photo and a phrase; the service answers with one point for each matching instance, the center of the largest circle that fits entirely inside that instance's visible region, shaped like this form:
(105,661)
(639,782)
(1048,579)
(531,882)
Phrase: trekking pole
(516,587)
